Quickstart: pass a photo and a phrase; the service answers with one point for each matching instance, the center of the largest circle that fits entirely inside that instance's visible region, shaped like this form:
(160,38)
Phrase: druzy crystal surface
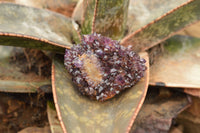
(102,68)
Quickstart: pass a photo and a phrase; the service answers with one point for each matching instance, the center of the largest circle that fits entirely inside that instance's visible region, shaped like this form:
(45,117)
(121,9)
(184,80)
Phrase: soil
(18,111)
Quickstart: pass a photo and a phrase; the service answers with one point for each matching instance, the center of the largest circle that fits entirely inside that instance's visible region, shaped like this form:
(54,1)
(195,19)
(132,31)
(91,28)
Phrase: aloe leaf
(193,30)
(78,113)
(53,119)
(35,130)
(13,80)
(78,11)
(142,12)
(180,64)
(22,86)
(64,7)
(108,18)
(49,4)
(35,28)
(164,27)
(158,112)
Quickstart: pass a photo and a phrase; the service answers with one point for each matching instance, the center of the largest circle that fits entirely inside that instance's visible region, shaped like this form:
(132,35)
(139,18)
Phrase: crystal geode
(102,68)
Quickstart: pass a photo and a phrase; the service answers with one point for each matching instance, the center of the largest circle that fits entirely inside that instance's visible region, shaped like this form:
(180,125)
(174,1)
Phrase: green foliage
(164,27)
(35,28)
(110,18)
(180,62)
(178,44)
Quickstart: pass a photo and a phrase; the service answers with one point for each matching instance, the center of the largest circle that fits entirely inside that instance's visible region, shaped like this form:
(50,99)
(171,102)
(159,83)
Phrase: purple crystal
(78,63)
(102,68)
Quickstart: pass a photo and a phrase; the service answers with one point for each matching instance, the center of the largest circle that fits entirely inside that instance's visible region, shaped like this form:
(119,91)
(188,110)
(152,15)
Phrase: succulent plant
(100,67)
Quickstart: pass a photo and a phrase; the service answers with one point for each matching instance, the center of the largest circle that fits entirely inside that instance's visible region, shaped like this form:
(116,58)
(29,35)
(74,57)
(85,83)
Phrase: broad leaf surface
(49,4)
(180,64)
(64,7)
(78,12)
(13,80)
(78,113)
(35,28)
(35,129)
(193,30)
(142,12)
(110,17)
(164,27)
(53,119)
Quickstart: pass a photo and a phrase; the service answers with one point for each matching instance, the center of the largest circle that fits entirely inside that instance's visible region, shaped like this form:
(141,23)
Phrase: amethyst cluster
(102,68)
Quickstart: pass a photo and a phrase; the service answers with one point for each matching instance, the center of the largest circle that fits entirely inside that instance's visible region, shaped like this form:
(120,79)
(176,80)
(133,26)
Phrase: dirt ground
(19,111)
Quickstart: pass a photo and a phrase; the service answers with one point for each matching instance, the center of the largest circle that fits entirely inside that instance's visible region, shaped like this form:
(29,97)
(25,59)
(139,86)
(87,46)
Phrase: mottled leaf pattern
(64,7)
(79,114)
(49,4)
(110,19)
(78,12)
(36,28)
(27,42)
(53,119)
(41,26)
(142,12)
(180,64)
(164,27)
(193,30)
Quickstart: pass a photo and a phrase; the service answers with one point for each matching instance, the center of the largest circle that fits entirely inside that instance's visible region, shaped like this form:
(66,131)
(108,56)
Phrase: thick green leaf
(64,7)
(193,30)
(31,27)
(53,119)
(164,27)
(35,130)
(180,64)
(142,12)
(26,86)
(78,11)
(78,113)
(49,4)
(109,17)
(13,80)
